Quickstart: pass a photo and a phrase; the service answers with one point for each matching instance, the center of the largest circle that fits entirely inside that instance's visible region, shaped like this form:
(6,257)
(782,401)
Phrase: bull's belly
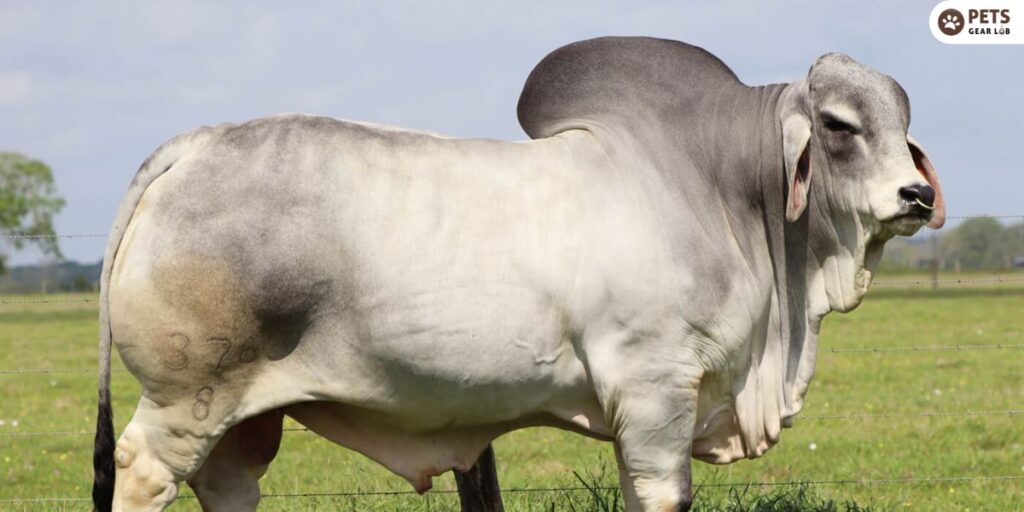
(416,456)
(454,360)
(422,393)
(423,386)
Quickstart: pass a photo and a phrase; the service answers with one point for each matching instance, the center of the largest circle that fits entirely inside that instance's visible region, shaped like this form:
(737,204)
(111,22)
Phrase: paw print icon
(951,22)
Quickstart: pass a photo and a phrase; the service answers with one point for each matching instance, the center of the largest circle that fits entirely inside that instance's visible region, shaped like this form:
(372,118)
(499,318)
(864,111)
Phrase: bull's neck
(746,172)
(749,119)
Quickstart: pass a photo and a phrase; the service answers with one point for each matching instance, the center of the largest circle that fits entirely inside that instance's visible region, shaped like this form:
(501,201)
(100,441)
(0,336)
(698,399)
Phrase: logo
(978,21)
(951,22)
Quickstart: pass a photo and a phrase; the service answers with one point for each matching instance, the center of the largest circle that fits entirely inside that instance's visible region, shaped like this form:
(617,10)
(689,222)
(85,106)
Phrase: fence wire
(44,371)
(821,350)
(984,216)
(70,433)
(923,348)
(26,236)
(978,281)
(858,416)
(103,235)
(854,416)
(912,282)
(514,490)
(887,283)
(48,301)
(30,236)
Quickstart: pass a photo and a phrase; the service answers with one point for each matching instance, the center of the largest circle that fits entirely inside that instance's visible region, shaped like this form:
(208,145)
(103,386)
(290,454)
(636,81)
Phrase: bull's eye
(834,124)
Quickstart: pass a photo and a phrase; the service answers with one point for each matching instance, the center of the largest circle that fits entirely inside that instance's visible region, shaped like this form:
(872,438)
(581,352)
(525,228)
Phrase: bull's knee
(152,458)
(667,495)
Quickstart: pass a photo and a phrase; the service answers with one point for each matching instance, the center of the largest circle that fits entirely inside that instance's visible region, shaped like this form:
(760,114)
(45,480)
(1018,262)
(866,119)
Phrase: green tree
(80,284)
(980,243)
(28,202)
(1014,237)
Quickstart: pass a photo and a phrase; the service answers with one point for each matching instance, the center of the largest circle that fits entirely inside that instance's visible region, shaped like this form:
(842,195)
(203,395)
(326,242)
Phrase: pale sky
(92,88)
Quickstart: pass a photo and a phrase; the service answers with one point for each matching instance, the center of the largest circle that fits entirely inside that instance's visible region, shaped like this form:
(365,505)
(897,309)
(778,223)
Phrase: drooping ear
(796,138)
(924,166)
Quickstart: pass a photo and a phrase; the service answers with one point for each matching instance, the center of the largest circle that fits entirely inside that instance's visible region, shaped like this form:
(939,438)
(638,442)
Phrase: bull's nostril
(920,194)
(928,195)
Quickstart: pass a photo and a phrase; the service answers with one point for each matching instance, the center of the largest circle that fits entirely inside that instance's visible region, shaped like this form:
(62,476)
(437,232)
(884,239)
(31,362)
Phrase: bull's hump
(613,79)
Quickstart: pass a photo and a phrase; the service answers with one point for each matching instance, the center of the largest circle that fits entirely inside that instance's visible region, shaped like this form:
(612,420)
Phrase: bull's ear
(796,146)
(924,166)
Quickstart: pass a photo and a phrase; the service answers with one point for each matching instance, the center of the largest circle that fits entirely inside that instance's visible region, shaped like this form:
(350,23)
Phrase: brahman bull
(651,270)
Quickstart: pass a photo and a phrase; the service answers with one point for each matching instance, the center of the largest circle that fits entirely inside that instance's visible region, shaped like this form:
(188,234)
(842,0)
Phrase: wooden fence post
(478,487)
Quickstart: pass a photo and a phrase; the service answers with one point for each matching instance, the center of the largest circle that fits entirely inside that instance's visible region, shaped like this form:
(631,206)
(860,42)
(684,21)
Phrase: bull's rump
(398,271)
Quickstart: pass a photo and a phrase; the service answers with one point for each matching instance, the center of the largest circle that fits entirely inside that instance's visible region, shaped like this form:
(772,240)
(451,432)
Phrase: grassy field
(847,383)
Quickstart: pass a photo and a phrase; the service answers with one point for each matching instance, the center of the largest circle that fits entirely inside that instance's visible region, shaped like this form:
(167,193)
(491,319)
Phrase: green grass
(64,336)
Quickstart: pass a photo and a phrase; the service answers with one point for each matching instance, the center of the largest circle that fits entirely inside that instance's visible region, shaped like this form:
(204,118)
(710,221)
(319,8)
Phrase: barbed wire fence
(104,235)
(934,282)
(696,487)
(930,414)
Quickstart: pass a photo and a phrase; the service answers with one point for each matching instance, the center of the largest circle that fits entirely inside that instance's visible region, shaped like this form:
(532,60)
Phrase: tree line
(981,243)
(28,203)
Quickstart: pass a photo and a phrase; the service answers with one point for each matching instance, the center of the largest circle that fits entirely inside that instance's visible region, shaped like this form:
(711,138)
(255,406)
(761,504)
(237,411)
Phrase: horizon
(922,237)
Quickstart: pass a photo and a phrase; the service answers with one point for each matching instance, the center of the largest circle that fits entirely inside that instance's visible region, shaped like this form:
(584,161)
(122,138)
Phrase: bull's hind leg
(229,478)
(163,446)
(180,419)
(158,449)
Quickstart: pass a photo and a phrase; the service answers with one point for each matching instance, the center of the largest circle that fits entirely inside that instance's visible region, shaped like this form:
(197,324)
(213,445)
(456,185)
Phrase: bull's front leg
(648,391)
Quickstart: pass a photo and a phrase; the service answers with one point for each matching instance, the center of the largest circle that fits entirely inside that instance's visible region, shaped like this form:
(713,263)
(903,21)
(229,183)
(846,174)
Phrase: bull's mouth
(909,222)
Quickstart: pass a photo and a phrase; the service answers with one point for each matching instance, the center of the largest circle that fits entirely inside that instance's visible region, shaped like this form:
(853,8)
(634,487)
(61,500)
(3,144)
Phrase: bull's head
(845,128)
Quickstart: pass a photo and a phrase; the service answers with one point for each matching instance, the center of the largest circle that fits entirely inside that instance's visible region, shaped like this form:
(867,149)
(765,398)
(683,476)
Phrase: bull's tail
(103,455)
